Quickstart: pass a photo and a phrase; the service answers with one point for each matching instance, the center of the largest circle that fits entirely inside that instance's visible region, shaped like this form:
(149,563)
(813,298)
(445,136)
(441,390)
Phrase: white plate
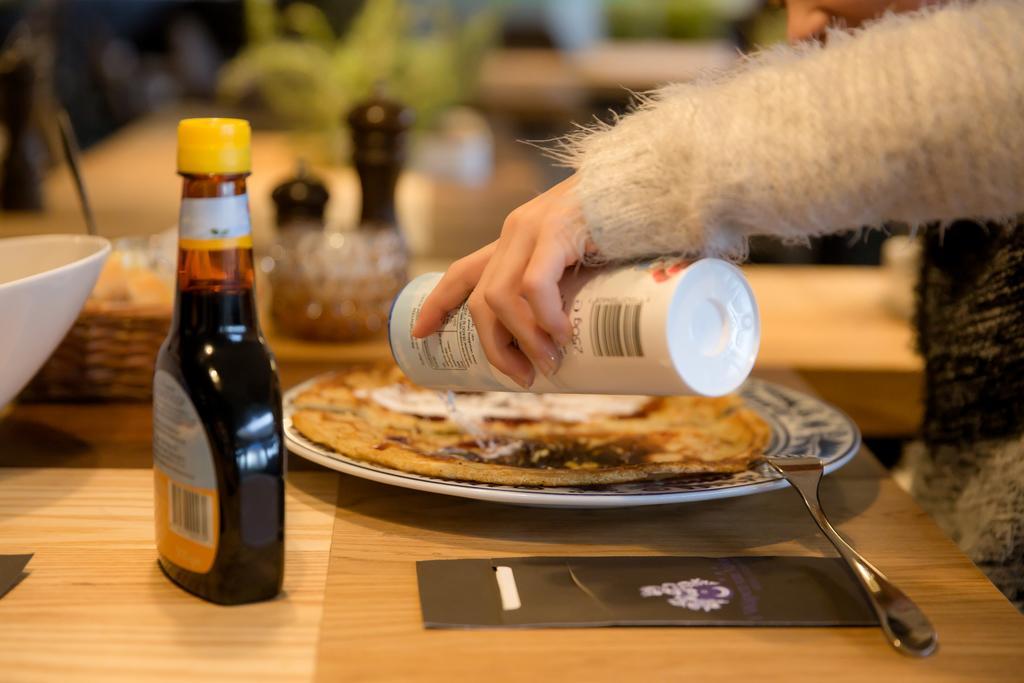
(801,426)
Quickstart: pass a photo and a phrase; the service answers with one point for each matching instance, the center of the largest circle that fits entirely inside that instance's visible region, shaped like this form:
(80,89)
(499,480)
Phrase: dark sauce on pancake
(559,453)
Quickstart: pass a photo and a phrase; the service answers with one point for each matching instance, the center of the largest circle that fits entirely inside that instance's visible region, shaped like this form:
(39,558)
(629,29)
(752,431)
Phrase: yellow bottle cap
(214,146)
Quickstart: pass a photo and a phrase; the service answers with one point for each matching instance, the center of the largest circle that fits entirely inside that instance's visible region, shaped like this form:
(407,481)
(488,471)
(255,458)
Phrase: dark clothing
(970,322)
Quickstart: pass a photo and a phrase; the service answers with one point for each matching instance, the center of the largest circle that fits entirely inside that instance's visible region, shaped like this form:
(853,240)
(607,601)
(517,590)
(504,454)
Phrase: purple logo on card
(699,595)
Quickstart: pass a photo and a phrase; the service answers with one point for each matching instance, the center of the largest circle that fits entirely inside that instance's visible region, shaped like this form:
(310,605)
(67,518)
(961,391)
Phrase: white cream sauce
(471,409)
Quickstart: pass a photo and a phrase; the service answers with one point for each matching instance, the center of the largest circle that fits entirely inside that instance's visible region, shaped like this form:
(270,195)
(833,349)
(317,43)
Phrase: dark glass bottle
(217,438)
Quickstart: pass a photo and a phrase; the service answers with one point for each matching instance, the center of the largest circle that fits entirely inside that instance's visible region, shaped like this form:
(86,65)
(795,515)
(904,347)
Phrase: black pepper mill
(379,126)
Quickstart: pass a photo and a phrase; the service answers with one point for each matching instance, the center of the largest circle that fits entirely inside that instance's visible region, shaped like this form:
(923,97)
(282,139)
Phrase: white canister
(655,328)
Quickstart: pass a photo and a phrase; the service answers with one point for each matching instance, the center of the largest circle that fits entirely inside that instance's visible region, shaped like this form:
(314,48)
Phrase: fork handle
(905,625)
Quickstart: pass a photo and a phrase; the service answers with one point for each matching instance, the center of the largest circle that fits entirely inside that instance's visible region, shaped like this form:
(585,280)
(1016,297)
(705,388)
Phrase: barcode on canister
(191,514)
(615,329)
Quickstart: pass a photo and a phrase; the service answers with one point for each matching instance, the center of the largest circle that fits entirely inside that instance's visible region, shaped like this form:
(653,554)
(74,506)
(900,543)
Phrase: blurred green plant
(674,19)
(310,77)
(769,27)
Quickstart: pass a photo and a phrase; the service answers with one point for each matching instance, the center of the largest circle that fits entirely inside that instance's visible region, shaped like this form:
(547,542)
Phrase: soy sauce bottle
(218,444)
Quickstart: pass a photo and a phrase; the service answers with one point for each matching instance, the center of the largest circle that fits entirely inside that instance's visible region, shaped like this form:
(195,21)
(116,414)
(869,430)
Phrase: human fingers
(451,290)
(498,343)
(502,291)
(557,215)
(553,253)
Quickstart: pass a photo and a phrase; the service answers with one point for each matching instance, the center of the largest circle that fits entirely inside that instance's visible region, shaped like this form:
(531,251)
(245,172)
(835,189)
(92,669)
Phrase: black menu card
(544,592)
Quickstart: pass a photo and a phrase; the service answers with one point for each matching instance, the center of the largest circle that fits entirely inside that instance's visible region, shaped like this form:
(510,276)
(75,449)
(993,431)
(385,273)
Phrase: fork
(904,624)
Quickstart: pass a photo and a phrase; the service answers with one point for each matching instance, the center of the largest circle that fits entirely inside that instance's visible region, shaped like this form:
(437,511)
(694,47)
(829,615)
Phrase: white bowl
(44,281)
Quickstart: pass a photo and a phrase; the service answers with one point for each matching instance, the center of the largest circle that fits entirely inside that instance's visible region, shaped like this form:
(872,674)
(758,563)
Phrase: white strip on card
(507,588)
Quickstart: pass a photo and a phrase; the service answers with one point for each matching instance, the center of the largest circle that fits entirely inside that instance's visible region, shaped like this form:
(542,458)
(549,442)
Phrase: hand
(512,286)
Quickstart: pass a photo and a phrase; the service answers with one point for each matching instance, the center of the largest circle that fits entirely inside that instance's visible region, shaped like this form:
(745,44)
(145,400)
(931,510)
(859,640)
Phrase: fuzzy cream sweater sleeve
(916,118)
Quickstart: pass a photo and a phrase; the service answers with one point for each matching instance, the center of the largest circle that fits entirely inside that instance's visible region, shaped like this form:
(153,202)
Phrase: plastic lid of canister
(714,329)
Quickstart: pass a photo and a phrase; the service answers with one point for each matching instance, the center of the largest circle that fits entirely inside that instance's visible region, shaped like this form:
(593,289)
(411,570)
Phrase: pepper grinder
(379,127)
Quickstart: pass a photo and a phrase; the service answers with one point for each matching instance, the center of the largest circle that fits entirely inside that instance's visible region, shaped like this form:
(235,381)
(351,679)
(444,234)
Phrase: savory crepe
(375,415)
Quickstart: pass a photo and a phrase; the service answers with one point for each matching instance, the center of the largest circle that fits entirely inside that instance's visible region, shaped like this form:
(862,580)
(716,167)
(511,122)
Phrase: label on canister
(186,505)
(214,223)
(656,328)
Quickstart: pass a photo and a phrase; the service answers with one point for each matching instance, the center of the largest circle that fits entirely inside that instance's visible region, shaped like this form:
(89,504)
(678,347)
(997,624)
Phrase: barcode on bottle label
(191,514)
(615,329)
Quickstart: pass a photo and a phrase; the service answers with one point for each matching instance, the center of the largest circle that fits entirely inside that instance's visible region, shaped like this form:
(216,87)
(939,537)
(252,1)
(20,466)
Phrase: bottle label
(215,223)
(453,357)
(613,337)
(185,501)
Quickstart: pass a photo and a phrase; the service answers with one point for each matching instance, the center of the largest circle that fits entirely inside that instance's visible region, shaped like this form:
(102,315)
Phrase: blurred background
(479,75)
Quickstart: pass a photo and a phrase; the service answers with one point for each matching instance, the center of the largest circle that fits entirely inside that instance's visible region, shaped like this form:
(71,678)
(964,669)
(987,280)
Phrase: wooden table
(75,489)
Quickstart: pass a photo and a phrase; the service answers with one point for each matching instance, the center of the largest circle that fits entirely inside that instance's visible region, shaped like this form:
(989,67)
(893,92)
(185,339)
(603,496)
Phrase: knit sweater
(917,119)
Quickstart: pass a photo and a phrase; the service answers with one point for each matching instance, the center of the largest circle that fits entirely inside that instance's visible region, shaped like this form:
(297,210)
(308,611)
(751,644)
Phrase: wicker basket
(107,356)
